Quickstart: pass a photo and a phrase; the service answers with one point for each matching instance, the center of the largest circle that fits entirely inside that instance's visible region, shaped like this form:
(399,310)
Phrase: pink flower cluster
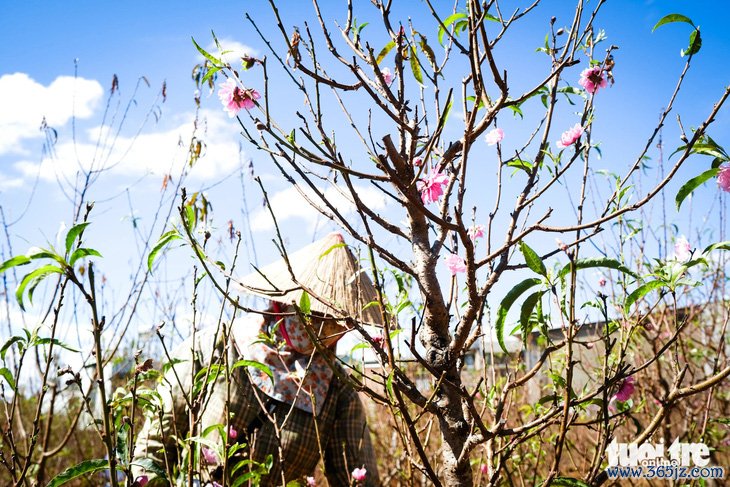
(682,249)
(723,177)
(570,136)
(359,474)
(388,77)
(475,232)
(626,389)
(592,79)
(494,136)
(433,187)
(455,264)
(234,98)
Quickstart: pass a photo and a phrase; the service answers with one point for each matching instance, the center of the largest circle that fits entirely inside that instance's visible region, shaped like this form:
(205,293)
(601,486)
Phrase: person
(285,403)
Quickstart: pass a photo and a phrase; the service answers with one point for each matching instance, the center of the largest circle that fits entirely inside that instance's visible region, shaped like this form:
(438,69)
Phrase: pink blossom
(723,177)
(141,481)
(359,474)
(378,340)
(592,79)
(455,264)
(484,469)
(232,433)
(418,162)
(311,482)
(625,390)
(602,281)
(387,76)
(682,249)
(475,232)
(494,136)
(570,136)
(216,484)
(433,187)
(234,98)
(211,458)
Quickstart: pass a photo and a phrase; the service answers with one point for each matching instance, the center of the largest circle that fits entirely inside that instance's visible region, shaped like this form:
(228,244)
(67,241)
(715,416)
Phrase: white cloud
(25,103)
(155,153)
(7,182)
(289,203)
(233,50)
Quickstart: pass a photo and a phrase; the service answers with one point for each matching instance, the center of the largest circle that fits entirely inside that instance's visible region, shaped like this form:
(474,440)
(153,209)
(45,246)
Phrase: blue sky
(133,38)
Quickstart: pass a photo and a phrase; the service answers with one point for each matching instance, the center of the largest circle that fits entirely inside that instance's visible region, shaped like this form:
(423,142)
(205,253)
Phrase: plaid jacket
(338,434)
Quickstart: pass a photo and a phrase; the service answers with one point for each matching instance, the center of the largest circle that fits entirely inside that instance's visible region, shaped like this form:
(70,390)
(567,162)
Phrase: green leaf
(534,262)
(36,253)
(693,184)
(8,344)
(82,253)
(384,52)
(55,341)
(718,245)
(305,304)
(8,376)
(84,468)
(520,164)
(525,313)
(207,55)
(426,49)
(695,44)
(14,262)
(668,19)
(447,22)
(335,246)
(507,303)
(598,262)
(415,66)
(568,482)
(256,365)
(165,239)
(210,73)
(642,291)
(149,465)
(35,278)
(74,234)
(389,385)
(357,30)
(360,346)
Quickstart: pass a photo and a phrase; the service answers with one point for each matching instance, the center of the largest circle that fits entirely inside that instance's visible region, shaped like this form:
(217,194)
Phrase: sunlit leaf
(74,234)
(8,376)
(305,304)
(384,52)
(84,468)
(18,260)
(34,278)
(528,306)
(694,183)
(668,19)
(447,22)
(507,303)
(415,66)
(695,44)
(207,55)
(640,292)
(604,262)
(256,365)
(534,262)
(165,239)
(82,253)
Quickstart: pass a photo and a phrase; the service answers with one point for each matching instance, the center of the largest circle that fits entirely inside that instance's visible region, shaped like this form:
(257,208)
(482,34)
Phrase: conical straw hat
(329,271)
